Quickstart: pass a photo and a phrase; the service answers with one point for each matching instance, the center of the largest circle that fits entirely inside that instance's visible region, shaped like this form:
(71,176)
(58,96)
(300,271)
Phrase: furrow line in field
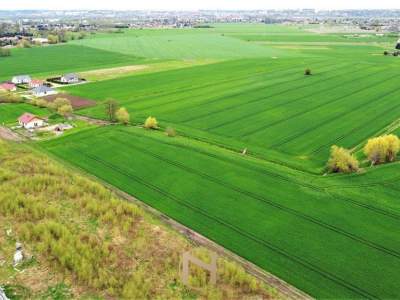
(198,117)
(272,203)
(335,117)
(298,260)
(249,133)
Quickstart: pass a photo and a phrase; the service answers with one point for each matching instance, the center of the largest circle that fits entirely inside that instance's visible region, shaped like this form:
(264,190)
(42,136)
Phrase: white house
(70,78)
(30,121)
(42,91)
(21,79)
(8,87)
(40,41)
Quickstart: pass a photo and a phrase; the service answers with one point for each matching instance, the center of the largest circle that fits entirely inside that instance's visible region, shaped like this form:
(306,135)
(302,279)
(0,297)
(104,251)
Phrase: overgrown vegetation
(94,241)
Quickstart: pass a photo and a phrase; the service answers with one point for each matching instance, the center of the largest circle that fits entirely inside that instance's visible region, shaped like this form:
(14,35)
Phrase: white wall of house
(44,94)
(35,123)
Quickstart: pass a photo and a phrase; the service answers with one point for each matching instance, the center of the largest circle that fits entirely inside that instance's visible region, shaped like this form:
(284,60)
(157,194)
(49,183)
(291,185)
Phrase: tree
(41,103)
(382,149)
(53,39)
(65,110)
(111,109)
(122,116)
(151,123)
(307,72)
(393,144)
(342,161)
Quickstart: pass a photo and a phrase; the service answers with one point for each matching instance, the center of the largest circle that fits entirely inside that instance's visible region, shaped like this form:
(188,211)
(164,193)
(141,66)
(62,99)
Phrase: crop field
(276,218)
(56,60)
(265,104)
(9,113)
(332,236)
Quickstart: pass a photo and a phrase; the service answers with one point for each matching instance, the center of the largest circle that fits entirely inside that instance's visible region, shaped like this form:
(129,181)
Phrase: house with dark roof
(42,91)
(70,78)
(30,121)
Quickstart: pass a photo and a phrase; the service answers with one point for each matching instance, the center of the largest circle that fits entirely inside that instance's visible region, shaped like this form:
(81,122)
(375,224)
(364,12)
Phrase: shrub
(307,72)
(41,103)
(382,149)
(65,110)
(342,161)
(386,53)
(151,123)
(122,116)
(169,131)
(4,52)
(53,39)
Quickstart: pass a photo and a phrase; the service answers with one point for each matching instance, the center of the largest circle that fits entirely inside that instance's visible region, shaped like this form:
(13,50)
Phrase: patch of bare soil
(76,102)
(8,134)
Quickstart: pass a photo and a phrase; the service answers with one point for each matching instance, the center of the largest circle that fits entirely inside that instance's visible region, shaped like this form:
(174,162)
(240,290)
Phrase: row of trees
(379,150)
(61,106)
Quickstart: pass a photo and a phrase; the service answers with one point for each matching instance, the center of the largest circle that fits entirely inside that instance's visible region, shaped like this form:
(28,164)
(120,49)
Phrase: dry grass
(81,235)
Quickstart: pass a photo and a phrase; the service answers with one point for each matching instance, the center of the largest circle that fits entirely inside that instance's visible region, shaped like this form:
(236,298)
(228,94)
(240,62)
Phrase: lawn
(56,60)
(276,217)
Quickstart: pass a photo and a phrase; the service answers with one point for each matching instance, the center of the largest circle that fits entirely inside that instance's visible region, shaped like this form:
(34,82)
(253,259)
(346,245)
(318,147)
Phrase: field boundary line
(196,238)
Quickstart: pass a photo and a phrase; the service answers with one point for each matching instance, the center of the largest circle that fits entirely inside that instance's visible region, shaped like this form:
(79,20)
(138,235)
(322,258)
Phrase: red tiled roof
(7,86)
(36,81)
(27,117)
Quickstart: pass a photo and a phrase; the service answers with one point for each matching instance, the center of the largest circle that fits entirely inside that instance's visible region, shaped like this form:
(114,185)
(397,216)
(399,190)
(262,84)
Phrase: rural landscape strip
(282,252)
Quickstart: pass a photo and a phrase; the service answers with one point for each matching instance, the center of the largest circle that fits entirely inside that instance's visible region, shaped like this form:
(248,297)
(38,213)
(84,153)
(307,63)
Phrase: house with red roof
(7,86)
(30,121)
(35,83)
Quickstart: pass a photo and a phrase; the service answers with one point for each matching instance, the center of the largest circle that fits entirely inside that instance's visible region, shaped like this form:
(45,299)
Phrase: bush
(4,52)
(386,53)
(65,110)
(41,103)
(307,72)
(170,132)
(151,123)
(342,161)
(122,116)
(382,149)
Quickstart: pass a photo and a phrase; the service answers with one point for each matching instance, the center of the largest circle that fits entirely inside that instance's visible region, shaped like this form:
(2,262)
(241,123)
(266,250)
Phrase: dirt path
(8,134)
(92,121)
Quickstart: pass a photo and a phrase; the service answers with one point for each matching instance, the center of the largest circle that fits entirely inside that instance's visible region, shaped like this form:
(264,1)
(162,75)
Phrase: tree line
(378,150)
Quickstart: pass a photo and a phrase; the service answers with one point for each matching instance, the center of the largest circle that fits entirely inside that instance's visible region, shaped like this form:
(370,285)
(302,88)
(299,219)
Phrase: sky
(197,4)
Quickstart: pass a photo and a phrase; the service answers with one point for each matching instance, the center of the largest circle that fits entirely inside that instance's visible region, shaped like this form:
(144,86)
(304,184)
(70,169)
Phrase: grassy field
(235,87)
(9,113)
(82,242)
(57,60)
(276,217)
(265,105)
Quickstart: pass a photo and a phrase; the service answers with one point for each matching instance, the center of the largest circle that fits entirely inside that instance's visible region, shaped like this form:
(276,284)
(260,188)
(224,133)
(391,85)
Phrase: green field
(9,113)
(56,60)
(333,236)
(267,213)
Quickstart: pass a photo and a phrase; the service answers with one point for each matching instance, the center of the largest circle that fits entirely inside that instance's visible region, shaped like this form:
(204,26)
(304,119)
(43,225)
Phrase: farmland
(9,113)
(56,60)
(332,236)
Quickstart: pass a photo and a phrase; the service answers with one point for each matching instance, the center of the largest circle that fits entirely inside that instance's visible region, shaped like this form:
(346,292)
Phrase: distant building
(35,83)
(70,78)
(21,79)
(43,90)
(7,86)
(40,41)
(30,121)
